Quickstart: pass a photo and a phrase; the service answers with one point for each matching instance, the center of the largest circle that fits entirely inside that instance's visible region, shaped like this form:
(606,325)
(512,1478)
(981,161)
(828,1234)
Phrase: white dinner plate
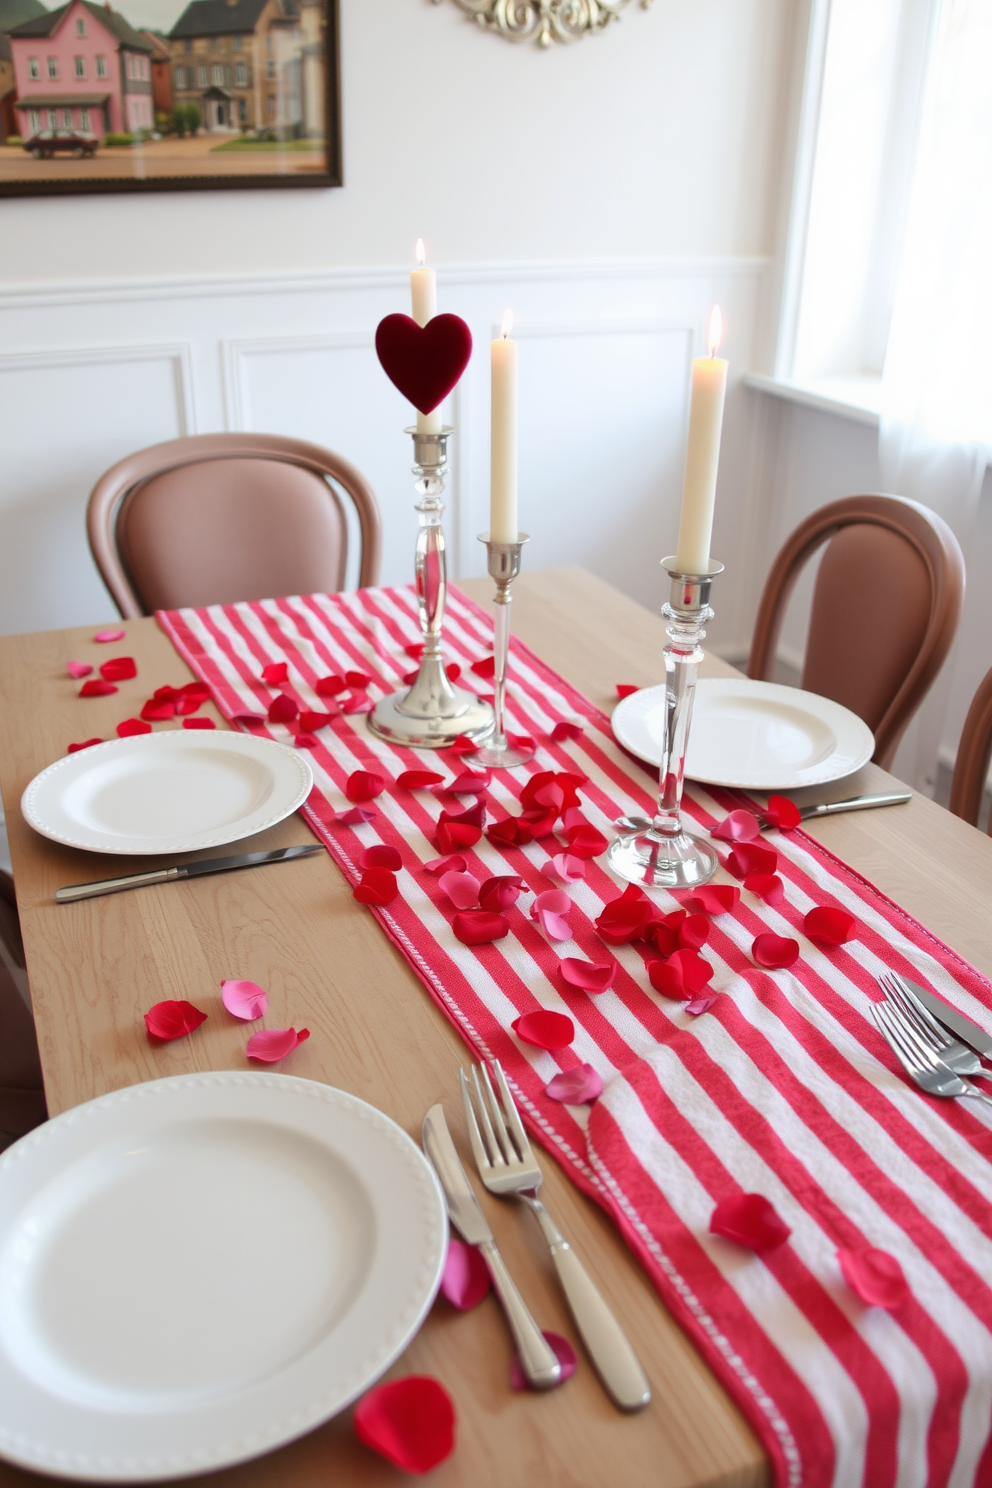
(174,791)
(196,1270)
(751,735)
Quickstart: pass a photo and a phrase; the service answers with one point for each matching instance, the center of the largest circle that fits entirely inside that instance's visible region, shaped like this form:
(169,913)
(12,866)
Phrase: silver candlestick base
(432,713)
(665,855)
(504,565)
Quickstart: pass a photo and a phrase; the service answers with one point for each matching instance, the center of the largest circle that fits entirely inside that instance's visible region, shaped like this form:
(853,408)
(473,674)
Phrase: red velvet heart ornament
(424,362)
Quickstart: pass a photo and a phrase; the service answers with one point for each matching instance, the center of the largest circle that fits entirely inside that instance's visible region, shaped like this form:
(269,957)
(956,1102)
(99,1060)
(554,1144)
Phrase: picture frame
(219,95)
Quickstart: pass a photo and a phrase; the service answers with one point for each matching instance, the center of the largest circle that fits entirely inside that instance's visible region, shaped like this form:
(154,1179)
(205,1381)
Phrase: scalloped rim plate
(174,791)
(196,1270)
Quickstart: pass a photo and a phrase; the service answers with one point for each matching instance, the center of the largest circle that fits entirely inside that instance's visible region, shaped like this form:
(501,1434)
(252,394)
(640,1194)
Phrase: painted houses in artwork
(83,67)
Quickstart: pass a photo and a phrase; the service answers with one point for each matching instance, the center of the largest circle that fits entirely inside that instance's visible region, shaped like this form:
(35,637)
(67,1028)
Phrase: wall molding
(179,353)
(235,352)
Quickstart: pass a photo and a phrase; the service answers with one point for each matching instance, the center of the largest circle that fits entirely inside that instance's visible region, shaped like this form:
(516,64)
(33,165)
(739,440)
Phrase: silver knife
(538,1360)
(963,1028)
(184,870)
(806,813)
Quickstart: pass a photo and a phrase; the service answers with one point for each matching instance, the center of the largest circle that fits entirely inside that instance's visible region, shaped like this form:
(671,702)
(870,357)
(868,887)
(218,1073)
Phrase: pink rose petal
(359,702)
(739,826)
(749,1219)
(78,669)
(829,927)
(699,1005)
(774,951)
(465,1280)
(452,863)
(576,1086)
(382,856)
(767,886)
(105,636)
(461,888)
(172,1020)
(410,1422)
(544,1029)
(568,867)
(550,909)
(587,976)
(273,1044)
(244,1000)
(563,1352)
(876,1276)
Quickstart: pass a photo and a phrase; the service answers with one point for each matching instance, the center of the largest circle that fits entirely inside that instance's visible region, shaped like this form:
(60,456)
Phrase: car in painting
(51,142)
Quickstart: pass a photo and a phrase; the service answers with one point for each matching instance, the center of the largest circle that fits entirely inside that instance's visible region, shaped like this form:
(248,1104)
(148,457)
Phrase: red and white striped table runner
(782,1088)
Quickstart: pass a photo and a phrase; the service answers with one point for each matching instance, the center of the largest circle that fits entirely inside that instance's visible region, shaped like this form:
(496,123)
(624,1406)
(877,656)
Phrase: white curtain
(935,434)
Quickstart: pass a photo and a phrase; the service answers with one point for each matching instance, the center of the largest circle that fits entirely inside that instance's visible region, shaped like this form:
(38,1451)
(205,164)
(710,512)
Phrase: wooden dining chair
(217,518)
(971,767)
(885,610)
(22,1096)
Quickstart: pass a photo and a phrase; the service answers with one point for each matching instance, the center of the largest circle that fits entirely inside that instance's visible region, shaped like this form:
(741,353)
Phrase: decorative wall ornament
(545,21)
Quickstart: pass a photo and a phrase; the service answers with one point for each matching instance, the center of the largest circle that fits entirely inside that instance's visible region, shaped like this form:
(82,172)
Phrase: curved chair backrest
(886,606)
(217,518)
(971,767)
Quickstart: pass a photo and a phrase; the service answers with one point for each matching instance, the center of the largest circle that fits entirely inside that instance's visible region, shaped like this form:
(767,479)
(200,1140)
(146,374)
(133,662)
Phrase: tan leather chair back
(224,517)
(886,607)
(971,767)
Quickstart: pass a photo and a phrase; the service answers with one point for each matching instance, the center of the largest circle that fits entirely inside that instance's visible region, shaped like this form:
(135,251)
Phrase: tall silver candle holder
(504,565)
(663,854)
(432,713)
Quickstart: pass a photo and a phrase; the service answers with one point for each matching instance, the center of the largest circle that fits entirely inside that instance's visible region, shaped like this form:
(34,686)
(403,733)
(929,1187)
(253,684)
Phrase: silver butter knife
(806,813)
(184,870)
(963,1028)
(538,1360)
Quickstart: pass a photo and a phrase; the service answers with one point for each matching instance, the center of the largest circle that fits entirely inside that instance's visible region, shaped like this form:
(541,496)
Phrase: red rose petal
(714,899)
(576,1086)
(245,1000)
(106,636)
(358,680)
(172,1020)
(86,744)
(782,812)
(464,746)
(625,918)
(767,886)
(739,826)
(170,693)
(829,927)
(310,720)
(96,688)
(376,886)
(469,783)
(586,842)
(752,857)
(359,703)
(694,931)
(682,975)
(188,702)
(564,731)
(512,831)
(157,709)
(451,834)
(245,720)
(414,652)
(453,862)
(544,1029)
(563,1352)
(587,976)
(699,1005)
(465,1280)
(301,741)
(486,667)
(453,670)
(875,1276)
(132,726)
(750,1220)
(330,686)
(119,669)
(196,689)
(500,892)
(418,779)
(78,669)
(461,888)
(381,855)
(199,723)
(626,689)
(477,927)
(282,709)
(364,785)
(356,816)
(664,938)
(774,951)
(273,1044)
(275,673)
(410,677)
(410,1422)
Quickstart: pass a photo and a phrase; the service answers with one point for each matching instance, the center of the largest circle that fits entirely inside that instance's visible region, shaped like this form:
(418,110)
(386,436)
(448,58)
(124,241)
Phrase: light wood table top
(95,966)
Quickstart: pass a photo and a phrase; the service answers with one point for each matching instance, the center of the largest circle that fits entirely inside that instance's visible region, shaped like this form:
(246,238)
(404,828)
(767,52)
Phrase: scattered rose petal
(300,741)
(418,779)
(587,976)
(486,667)
(576,1086)
(739,826)
(714,899)
(750,1220)
(105,636)
(564,731)
(275,673)
(469,783)
(376,886)
(775,951)
(132,726)
(586,842)
(453,670)
(357,816)
(170,693)
(876,1276)
(460,830)
(172,1020)
(563,1352)
(626,689)
(465,1279)
(475,927)
(568,867)
(282,709)
(782,812)
(699,1005)
(310,720)
(157,709)
(550,909)
(119,669)
(829,927)
(414,652)
(381,855)
(410,1422)
(521,741)
(681,976)
(452,863)
(464,745)
(86,744)
(330,686)
(96,687)
(500,892)
(245,1000)
(664,937)
(767,886)
(358,680)
(359,703)
(200,723)
(197,690)
(625,918)
(752,857)
(544,1029)
(273,1044)
(245,720)
(461,888)
(410,677)
(694,931)
(187,702)
(78,669)
(364,785)
(512,831)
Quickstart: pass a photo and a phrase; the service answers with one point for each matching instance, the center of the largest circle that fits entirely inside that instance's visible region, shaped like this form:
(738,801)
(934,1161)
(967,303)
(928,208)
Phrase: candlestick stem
(504,565)
(666,855)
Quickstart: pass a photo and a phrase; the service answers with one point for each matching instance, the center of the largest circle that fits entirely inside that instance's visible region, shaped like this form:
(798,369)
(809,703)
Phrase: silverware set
(508,1167)
(911,1020)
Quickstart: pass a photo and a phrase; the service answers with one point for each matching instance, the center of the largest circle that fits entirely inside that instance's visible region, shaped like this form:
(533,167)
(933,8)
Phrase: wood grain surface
(95,966)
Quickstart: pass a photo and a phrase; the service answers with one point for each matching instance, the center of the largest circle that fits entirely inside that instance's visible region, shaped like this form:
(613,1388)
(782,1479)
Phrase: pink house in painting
(82,66)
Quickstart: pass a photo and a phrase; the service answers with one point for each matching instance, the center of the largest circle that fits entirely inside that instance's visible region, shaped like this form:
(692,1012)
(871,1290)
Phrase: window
(33,69)
(53,67)
(128,65)
(241,75)
(237,43)
(228,75)
(270,69)
(202,76)
(242,111)
(217,76)
(84,119)
(101,67)
(180,74)
(67,118)
(53,118)
(80,26)
(34,119)
(80,66)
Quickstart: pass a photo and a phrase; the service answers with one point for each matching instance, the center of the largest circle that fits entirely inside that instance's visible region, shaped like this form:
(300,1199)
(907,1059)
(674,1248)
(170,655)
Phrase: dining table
(96,965)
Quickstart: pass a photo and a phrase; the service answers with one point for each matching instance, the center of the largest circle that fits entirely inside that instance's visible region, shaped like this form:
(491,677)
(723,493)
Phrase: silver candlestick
(504,565)
(432,713)
(663,854)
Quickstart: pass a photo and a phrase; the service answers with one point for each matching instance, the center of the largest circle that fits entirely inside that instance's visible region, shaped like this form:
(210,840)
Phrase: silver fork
(508,1167)
(921,1063)
(962,1060)
(806,813)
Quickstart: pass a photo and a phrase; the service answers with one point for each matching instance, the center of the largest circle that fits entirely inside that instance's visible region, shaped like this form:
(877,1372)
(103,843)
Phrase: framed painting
(168,95)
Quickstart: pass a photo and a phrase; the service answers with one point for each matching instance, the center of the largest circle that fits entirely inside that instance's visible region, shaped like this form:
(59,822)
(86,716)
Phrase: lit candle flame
(506,325)
(716,329)
(420,253)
